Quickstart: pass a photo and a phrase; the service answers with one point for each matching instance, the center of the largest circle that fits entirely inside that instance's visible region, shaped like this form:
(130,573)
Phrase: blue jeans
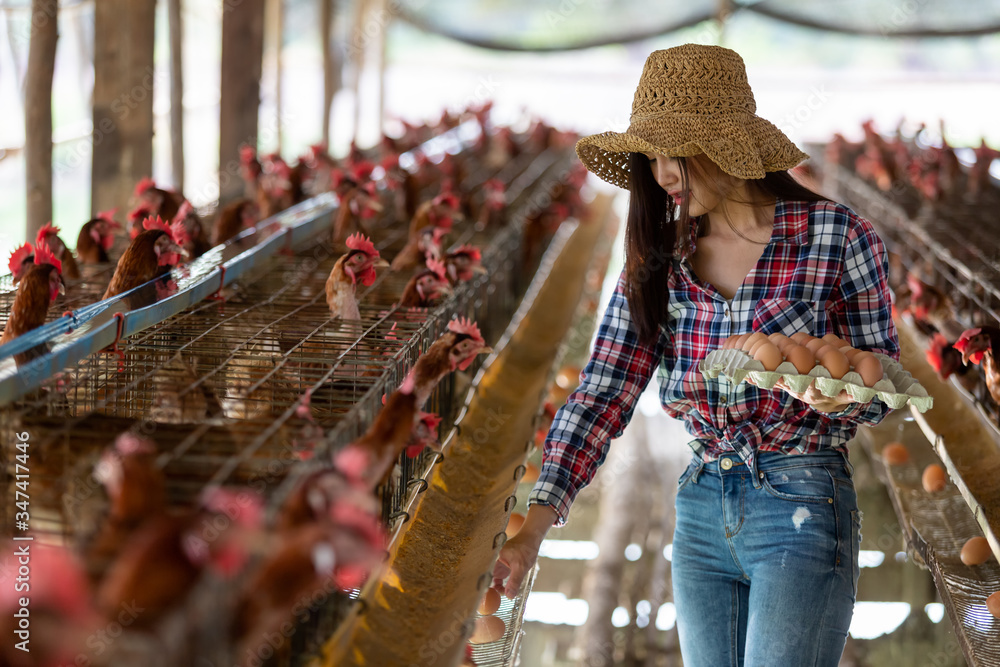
(765,569)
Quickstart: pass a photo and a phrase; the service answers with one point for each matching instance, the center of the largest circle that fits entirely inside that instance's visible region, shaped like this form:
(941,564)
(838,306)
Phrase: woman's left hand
(815,398)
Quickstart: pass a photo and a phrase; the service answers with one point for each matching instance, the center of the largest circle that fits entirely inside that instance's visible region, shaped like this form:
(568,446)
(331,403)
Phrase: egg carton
(896,388)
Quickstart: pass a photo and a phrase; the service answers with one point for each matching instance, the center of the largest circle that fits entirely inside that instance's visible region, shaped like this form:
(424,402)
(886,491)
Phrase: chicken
(427,243)
(179,396)
(424,435)
(136,492)
(978,345)
(300,433)
(49,235)
(337,538)
(404,186)
(427,287)
(151,253)
(259,382)
(455,349)
(930,305)
(195,239)
(164,203)
(251,171)
(20,261)
(494,202)
(463,264)
(96,238)
(437,212)
(358,199)
(39,285)
(278,187)
(58,609)
(137,216)
(165,558)
(233,219)
(979,175)
(946,361)
(357,265)
(372,456)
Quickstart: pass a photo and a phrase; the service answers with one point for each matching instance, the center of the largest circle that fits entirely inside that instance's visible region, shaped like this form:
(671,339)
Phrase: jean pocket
(801,484)
(687,474)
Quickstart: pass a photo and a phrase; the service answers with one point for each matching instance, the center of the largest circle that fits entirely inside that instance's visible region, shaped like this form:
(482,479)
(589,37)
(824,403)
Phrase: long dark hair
(651,233)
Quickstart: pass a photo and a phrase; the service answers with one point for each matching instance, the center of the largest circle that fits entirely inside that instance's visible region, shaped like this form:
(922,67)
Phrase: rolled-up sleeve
(599,409)
(864,310)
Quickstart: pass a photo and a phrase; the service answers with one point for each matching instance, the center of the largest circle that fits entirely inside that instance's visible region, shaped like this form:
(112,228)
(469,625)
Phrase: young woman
(721,240)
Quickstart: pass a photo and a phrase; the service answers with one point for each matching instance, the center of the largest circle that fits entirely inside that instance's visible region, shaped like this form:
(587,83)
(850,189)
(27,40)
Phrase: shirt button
(727,312)
(726,464)
(722,400)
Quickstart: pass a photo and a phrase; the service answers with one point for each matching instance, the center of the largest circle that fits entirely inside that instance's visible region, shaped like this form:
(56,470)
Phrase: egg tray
(896,388)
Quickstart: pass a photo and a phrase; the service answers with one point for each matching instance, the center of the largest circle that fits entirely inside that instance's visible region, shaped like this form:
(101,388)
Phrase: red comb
(129,443)
(438,267)
(48,230)
(472,251)
(17,258)
(184,211)
(140,211)
(439,233)
(430,419)
(155,223)
(359,241)
(963,341)
(144,185)
(495,184)
(179,233)
(362,171)
(915,285)
(936,350)
(44,256)
(409,383)
(447,199)
(464,325)
(109,217)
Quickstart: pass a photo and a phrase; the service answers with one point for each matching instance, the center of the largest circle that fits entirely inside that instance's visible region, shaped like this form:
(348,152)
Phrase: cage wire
(216,387)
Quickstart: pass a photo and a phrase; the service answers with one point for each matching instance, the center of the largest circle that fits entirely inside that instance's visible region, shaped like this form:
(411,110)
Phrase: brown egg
(490,602)
(753,340)
(768,354)
(530,474)
(778,339)
(868,367)
(756,346)
(487,629)
(815,344)
(935,478)
(729,342)
(785,343)
(514,524)
(742,338)
(895,453)
(835,340)
(850,353)
(801,337)
(833,360)
(801,358)
(993,604)
(976,551)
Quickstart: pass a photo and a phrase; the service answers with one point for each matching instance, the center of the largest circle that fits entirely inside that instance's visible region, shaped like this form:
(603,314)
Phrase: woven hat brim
(741,144)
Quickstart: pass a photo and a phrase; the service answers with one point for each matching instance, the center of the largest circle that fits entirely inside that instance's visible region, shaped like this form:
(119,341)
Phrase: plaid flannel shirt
(824,270)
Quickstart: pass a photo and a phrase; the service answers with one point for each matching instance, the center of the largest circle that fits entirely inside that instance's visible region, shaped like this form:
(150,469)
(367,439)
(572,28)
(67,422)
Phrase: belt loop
(848,464)
(754,474)
(697,471)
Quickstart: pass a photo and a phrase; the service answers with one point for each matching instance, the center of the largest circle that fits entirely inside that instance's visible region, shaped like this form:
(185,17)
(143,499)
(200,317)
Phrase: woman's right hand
(519,553)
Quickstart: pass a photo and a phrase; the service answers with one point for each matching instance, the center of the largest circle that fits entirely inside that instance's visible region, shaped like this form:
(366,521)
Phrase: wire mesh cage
(216,387)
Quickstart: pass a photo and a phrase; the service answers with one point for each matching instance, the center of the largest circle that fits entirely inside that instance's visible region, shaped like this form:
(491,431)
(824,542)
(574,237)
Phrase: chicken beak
(486,349)
(380,264)
(183,252)
(479,270)
(62,287)
(376,205)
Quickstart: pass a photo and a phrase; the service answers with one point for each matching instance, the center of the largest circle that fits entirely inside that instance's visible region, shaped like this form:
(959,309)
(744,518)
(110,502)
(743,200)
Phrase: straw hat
(693,99)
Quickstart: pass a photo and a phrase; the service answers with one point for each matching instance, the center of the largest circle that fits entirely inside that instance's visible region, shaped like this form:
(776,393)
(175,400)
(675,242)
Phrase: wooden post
(331,65)
(123,99)
(38,113)
(274,33)
(176,93)
(242,60)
